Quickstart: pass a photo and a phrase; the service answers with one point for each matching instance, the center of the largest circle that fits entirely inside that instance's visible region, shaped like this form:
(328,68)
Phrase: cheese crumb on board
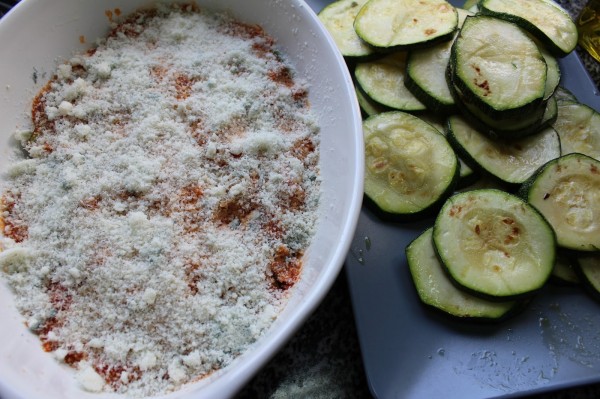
(170,189)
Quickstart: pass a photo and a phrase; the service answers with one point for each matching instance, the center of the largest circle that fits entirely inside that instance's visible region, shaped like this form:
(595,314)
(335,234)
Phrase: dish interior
(36,36)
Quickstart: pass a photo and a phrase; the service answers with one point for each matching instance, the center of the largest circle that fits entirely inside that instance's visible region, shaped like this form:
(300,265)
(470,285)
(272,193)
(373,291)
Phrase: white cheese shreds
(170,191)
(90,380)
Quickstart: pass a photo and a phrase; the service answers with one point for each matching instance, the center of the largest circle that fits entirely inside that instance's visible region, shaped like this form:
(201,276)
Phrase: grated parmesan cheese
(170,190)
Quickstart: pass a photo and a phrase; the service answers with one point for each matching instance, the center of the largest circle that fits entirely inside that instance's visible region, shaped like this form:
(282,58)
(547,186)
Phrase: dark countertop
(323,358)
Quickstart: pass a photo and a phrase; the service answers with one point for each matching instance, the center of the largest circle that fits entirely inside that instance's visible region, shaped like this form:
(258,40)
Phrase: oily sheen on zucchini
(410,167)
(494,244)
(498,67)
(338,17)
(545,19)
(579,129)
(383,81)
(436,290)
(512,161)
(367,105)
(566,191)
(401,24)
(512,127)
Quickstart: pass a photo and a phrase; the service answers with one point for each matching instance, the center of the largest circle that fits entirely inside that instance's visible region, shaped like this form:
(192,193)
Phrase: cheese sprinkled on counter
(169,192)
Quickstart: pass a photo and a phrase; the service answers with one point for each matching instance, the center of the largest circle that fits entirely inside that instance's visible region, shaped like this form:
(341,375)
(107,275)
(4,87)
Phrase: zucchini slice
(426,73)
(552,73)
(567,192)
(410,167)
(589,271)
(494,244)
(511,161)
(544,19)
(401,24)
(338,18)
(579,129)
(498,67)
(436,290)
(383,81)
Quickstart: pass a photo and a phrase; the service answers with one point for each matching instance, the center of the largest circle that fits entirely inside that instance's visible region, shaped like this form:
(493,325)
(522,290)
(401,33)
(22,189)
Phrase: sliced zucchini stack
(410,167)
(497,65)
(545,19)
(508,128)
(498,71)
(494,244)
(404,24)
(566,191)
(338,17)
(436,290)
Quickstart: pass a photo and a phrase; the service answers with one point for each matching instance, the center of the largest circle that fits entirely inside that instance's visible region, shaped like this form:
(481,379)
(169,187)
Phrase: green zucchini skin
(487,80)
(553,73)
(400,177)
(565,190)
(426,73)
(512,161)
(532,15)
(494,245)
(467,174)
(438,292)
(436,102)
(368,106)
(514,127)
